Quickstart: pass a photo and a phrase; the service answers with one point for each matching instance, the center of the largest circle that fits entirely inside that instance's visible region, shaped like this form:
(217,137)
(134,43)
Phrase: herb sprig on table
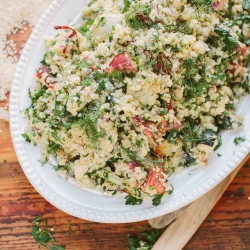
(43,236)
(145,242)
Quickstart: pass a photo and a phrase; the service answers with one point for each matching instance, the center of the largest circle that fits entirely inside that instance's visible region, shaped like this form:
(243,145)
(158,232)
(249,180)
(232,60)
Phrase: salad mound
(140,90)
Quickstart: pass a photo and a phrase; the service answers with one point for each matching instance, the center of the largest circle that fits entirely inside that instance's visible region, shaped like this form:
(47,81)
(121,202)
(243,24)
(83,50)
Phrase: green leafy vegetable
(26,137)
(238,140)
(219,142)
(36,95)
(230,43)
(102,21)
(138,16)
(126,5)
(43,235)
(131,200)
(146,241)
(183,28)
(89,122)
(134,157)
(101,87)
(53,247)
(116,76)
(157,199)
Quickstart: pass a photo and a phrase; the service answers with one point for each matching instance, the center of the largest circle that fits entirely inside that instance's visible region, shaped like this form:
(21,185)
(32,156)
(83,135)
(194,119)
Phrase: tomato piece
(93,68)
(156,179)
(133,164)
(234,67)
(242,48)
(43,69)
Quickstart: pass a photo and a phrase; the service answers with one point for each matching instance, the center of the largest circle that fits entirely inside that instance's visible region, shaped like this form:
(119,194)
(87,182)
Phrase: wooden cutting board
(189,219)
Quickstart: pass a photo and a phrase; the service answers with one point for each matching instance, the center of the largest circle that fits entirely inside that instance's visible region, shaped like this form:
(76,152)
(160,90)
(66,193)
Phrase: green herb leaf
(98,76)
(131,200)
(26,137)
(102,21)
(53,247)
(238,140)
(101,87)
(116,76)
(146,242)
(241,190)
(36,95)
(157,199)
(89,122)
(173,134)
(230,42)
(126,5)
(86,81)
(219,142)
(131,154)
(41,235)
(138,16)
(54,134)
(202,86)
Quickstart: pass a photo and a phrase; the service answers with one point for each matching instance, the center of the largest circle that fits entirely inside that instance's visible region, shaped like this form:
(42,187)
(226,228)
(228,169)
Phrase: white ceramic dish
(191,184)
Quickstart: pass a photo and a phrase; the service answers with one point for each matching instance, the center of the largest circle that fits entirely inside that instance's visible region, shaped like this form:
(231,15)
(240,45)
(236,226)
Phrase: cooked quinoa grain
(140,91)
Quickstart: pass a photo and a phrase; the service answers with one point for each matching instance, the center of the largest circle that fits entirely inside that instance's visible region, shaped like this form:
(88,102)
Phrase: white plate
(191,184)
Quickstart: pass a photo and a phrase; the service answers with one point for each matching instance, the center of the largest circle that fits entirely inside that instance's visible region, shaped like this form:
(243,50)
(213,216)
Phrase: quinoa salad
(138,91)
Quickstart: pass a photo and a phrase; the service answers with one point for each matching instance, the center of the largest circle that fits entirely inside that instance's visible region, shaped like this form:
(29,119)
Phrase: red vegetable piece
(65,27)
(217,5)
(133,164)
(138,120)
(234,65)
(170,105)
(122,62)
(167,126)
(163,65)
(156,179)
(93,68)
(242,48)
(43,69)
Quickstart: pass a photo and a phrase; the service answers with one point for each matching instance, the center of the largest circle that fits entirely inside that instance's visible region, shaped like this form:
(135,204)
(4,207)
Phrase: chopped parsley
(131,200)
(219,142)
(89,123)
(157,199)
(238,140)
(146,241)
(26,137)
(42,235)
(137,17)
(101,22)
(229,43)
(126,5)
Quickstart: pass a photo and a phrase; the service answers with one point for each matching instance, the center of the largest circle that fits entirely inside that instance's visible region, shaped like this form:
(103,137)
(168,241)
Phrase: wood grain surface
(192,217)
(226,228)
